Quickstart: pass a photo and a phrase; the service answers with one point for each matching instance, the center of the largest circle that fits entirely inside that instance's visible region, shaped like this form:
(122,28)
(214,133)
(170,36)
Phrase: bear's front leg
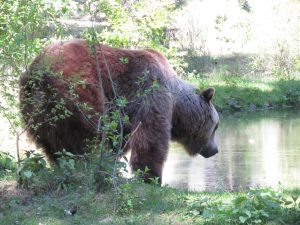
(150,170)
(149,147)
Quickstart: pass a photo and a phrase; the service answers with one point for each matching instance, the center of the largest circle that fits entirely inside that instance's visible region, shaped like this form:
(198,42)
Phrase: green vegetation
(139,203)
(244,85)
(7,162)
(245,94)
(65,194)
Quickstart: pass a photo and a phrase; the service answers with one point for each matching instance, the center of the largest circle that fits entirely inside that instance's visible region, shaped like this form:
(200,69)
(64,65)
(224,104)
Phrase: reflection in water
(257,149)
(270,152)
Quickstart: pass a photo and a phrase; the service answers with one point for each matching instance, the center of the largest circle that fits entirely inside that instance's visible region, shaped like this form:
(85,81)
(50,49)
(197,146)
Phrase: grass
(243,85)
(140,203)
(245,94)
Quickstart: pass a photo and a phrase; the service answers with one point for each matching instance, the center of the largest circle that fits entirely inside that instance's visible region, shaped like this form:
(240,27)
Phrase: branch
(131,135)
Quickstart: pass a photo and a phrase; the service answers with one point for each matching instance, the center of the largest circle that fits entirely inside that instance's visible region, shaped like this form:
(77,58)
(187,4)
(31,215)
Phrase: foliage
(147,204)
(7,161)
(65,173)
(34,174)
(209,35)
(253,207)
(246,94)
(139,176)
(129,200)
(70,172)
(66,160)
(30,167)
(143,92)
(111,126)
(137,24)
(24,28)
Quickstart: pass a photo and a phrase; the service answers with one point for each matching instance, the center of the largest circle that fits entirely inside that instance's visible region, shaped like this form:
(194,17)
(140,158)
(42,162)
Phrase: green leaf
(242,219)
(295,198)
(72,164)
(207,214)
(195,212)
(238,201)
(235,211)
(265,214)
(288,202)
(69,154)
(247,212)
(28,174)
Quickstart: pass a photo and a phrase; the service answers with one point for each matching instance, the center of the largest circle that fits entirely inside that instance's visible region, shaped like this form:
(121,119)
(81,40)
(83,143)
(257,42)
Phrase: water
(255,150)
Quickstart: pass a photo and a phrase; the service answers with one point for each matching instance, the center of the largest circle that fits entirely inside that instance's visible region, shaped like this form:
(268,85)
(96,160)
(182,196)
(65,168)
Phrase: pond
(255,150)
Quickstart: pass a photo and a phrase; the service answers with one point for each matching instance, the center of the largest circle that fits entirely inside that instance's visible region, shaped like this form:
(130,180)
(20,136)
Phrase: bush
(30,168)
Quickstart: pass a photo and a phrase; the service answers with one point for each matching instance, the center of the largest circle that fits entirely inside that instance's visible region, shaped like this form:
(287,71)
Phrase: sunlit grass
(245,94)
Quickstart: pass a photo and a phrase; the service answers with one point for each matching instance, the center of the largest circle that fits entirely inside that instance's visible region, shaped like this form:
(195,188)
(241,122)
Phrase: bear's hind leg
(67,134)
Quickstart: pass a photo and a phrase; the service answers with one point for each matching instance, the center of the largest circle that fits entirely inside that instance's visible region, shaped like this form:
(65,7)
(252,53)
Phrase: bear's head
(197,124)
(207,146)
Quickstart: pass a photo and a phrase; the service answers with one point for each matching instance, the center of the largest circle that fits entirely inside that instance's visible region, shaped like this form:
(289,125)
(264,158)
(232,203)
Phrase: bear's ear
(208,94)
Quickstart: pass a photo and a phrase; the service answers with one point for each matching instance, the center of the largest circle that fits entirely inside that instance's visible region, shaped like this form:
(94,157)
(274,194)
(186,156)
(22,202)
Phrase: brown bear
(160,106)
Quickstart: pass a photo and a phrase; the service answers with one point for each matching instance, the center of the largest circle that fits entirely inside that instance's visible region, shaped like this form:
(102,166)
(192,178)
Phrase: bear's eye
(216,127)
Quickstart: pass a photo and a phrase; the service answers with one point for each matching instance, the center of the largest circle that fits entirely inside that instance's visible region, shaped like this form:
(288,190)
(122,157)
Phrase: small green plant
(202,206)
(65,172)
(7,162)
(66,160)
(129,199)
(29,168)
(139,177)
(155,180)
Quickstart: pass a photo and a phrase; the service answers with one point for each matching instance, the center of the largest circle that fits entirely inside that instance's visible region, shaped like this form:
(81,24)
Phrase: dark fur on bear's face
(174,110)
(202,116)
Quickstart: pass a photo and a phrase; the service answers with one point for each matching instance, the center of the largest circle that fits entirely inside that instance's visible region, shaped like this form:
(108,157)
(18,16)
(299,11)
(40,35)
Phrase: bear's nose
(209,152)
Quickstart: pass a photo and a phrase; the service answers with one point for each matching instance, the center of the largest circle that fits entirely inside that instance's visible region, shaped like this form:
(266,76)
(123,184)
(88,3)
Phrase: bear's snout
(209,152)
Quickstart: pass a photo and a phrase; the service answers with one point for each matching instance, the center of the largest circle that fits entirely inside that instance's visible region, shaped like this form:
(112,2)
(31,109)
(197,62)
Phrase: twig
(131,135)
(18,134)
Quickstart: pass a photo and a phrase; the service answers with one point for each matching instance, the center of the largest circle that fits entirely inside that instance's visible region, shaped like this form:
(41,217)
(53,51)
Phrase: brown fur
(173,110)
